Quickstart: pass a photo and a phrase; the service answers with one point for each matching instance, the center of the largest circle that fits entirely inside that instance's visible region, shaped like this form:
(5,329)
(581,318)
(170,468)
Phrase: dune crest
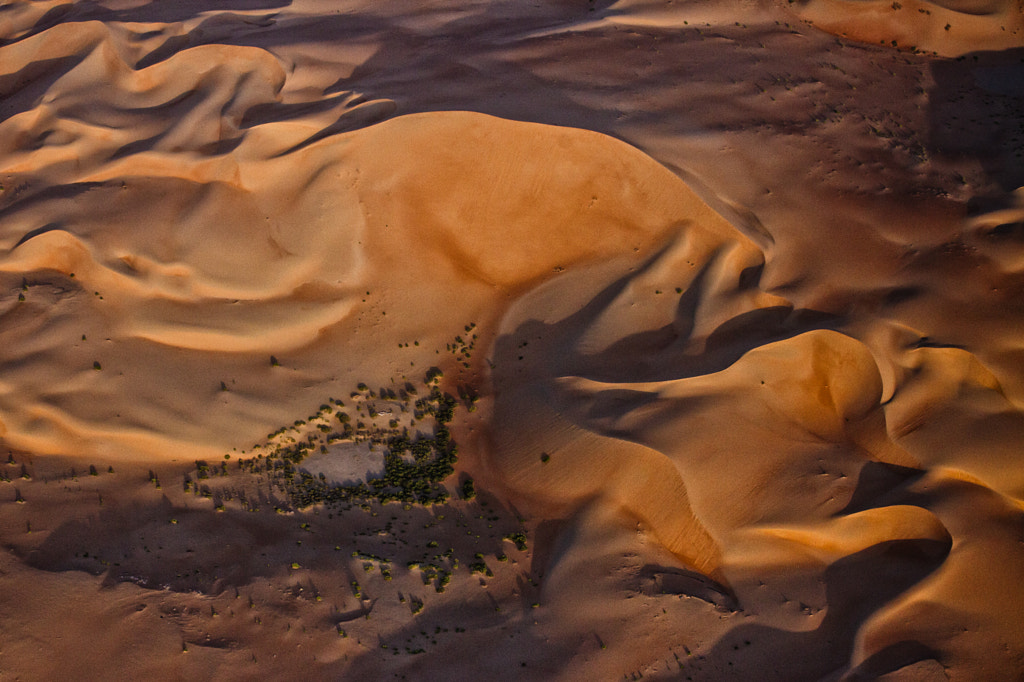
(946,27)
(213,242)
(649,339)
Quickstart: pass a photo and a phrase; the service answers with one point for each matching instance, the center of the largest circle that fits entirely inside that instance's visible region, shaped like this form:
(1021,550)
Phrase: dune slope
(726,305)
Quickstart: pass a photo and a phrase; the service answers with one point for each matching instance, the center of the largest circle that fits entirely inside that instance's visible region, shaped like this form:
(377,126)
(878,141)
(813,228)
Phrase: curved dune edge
(198,243)
(830,540)
(818,392)
(948,28)
(951,613)
(408,209)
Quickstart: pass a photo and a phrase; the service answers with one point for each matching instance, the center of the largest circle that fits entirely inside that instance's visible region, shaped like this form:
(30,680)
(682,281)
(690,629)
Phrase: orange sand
(746,287)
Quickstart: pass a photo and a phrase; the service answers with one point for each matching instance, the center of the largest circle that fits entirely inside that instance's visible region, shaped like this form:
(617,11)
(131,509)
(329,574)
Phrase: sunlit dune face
(742,398)
(944,27)
(695,431)
(751,440)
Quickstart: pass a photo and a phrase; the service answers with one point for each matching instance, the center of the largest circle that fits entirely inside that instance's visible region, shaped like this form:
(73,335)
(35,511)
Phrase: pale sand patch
(346,463)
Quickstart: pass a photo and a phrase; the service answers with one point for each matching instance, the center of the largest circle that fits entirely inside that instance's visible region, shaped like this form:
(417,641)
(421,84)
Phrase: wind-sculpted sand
(718,312)
(949,28)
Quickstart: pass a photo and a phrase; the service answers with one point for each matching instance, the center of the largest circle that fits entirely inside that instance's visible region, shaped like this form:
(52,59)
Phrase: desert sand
(555,340)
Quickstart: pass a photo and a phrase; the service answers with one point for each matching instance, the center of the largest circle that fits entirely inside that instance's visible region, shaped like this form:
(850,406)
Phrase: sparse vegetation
(393,519)
(518,539)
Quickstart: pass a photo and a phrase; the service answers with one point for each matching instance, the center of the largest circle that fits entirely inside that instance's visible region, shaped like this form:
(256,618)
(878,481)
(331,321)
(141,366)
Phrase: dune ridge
(948,27)
(735,302)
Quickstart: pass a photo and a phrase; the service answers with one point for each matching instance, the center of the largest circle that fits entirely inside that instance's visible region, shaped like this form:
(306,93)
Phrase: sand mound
(946,27)
(169,255)
(736,304)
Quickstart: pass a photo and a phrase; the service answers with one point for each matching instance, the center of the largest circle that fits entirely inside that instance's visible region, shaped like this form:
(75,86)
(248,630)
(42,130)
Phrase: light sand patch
(346,463)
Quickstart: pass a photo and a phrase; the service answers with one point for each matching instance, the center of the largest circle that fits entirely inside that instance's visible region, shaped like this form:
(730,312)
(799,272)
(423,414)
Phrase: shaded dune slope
(174,215)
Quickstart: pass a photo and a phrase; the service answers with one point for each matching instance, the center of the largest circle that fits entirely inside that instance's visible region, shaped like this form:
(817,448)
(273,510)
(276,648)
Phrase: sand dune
(949,28)
(726,300)
(268,260)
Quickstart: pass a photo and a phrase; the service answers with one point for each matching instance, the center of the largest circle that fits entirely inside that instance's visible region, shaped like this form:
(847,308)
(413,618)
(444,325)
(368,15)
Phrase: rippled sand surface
(730,296)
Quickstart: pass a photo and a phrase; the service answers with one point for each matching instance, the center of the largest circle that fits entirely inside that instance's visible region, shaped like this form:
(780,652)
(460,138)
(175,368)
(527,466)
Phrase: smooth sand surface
(949,28)
(730,295)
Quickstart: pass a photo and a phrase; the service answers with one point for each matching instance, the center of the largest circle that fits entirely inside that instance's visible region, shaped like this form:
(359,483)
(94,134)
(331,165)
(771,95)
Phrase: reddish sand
(730,296)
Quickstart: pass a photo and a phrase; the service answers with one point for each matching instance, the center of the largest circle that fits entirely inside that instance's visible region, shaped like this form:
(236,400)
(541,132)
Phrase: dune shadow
(49,227)
(880,480)
(897,657)
(149,12)
(160,546)
(976,111)
(55,193)
(856,586)
(665,353)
